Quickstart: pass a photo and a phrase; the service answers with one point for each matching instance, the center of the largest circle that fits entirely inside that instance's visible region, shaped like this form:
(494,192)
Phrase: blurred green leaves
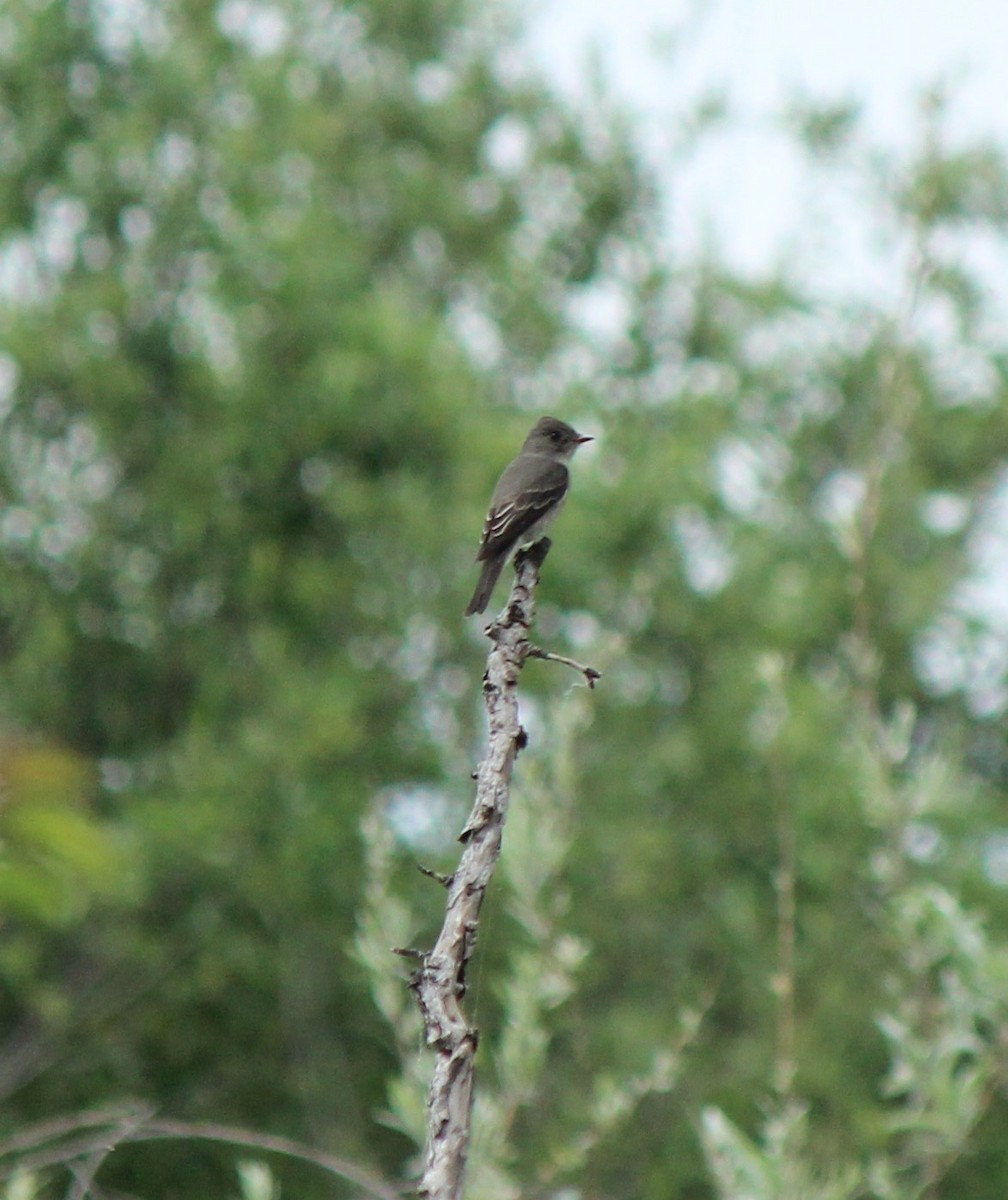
(56,856)
(282,286)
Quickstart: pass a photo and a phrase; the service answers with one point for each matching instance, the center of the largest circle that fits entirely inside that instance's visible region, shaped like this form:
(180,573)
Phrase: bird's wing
(507,521)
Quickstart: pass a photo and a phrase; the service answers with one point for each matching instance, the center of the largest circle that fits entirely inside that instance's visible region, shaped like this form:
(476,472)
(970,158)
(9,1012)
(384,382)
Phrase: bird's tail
(488,577)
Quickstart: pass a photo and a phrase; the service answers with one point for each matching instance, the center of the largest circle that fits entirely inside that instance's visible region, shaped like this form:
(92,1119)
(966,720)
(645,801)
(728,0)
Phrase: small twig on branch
(444,880)
(590,674)
(440,983)
(409,952)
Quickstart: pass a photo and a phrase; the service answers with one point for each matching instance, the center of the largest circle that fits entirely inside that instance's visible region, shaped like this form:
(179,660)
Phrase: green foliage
(22,1185)
(778,1169)
(539,977)
(947,988)
(825,129)
(256,1181)
(281,286)
(56,854)
(254,264)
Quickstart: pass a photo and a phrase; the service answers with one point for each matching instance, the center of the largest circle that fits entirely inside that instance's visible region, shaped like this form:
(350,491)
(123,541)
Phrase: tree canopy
(282,287)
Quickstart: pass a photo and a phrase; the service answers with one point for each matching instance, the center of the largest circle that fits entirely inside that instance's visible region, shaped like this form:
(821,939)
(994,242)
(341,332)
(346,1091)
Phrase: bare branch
(440,983)
(369,1183)
(31,1137)
(81,1141)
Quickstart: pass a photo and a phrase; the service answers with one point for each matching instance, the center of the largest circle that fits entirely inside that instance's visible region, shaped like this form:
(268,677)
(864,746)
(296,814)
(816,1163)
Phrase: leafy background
(282,287)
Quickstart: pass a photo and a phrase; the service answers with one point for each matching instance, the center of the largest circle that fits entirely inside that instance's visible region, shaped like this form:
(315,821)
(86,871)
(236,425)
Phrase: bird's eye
(555,435)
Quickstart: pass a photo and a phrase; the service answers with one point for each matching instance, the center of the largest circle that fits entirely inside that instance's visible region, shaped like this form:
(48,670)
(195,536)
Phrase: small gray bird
(525,501)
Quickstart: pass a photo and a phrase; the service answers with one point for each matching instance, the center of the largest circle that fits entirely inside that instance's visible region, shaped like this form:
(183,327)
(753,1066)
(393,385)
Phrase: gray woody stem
(439,983)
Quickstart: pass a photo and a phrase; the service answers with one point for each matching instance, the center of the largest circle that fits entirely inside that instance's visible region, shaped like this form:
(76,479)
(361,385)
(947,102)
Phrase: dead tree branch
(440,982)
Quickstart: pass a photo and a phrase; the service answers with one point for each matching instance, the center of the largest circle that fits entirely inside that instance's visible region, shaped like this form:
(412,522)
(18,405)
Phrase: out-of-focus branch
(82,1141)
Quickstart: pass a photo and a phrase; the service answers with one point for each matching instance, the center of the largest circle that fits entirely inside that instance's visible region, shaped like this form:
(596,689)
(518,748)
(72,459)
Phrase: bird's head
(555,438)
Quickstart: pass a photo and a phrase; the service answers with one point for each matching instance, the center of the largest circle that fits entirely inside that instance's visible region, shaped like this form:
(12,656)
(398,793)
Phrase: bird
(528,496)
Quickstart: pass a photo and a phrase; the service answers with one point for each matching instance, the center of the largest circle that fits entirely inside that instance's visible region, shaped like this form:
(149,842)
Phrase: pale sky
(748,189)
(747,184)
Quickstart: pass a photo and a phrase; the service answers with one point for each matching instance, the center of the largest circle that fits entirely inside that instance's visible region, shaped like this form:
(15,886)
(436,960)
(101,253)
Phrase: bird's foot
(535,554)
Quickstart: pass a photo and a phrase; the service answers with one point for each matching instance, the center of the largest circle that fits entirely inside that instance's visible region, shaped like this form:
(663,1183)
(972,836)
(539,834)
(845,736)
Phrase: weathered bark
(440,981)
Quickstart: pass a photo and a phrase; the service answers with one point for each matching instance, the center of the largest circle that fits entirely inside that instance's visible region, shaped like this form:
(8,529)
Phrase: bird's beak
(582,438)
